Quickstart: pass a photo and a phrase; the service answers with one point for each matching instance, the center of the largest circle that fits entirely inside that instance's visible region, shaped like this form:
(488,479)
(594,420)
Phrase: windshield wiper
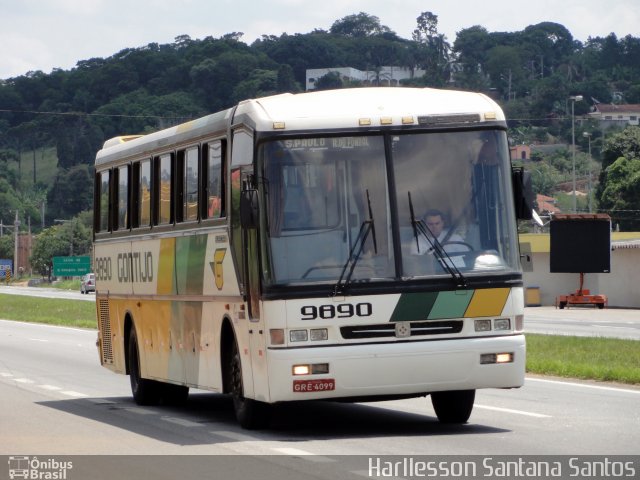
(367,227)
(419,227)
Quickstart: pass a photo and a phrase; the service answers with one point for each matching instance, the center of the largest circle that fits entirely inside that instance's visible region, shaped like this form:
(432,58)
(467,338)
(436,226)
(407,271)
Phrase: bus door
(249,264)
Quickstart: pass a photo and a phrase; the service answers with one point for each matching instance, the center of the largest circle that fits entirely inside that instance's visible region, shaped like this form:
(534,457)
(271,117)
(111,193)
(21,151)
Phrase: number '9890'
(341,310)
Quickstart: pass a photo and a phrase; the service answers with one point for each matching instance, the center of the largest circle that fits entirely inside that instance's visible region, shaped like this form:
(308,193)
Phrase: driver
(451,242)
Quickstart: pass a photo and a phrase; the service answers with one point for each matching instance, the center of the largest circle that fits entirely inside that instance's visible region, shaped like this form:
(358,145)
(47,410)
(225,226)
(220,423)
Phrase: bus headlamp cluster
(489,325)
(277,335)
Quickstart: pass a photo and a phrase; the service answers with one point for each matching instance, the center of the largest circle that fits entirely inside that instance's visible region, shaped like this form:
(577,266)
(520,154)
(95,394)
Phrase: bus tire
(250,414)
(453,407)
(145,392)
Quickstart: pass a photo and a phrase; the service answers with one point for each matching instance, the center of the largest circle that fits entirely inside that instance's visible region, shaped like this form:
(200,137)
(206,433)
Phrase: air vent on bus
(105,328)
(389,329)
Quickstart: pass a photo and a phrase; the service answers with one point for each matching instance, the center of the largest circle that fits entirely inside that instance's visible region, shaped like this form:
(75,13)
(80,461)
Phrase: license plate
(304,386)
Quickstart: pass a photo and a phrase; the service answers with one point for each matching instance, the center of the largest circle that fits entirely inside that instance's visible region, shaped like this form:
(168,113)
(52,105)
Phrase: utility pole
(16,227)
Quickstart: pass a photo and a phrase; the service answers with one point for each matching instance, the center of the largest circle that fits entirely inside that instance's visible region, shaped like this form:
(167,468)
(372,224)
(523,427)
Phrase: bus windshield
(334,212)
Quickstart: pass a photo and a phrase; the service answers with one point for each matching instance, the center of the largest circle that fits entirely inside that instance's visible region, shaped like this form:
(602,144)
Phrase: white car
(88,283)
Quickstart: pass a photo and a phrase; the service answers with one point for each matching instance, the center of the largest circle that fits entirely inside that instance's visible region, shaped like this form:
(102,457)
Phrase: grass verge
(593,358)
(54,311)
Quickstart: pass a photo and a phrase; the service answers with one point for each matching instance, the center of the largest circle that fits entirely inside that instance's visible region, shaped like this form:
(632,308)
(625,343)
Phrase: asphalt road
(583,321)
(45,292)
(57,400)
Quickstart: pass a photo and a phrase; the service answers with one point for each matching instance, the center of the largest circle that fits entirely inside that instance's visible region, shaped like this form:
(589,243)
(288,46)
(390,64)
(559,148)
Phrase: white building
(622,115)
(387,76)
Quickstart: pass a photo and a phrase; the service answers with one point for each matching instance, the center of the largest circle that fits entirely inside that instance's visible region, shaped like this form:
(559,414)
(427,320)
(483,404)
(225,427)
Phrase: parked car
(88,283)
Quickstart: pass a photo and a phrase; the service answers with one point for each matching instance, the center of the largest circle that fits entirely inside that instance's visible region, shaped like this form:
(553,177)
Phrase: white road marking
(140,411)
(102,401)
(6,375)
(24,380)
(291,451)
(181,421)
(509,410)
(584,385)
(49,387)
(71,393)
(39,340)
(235,436)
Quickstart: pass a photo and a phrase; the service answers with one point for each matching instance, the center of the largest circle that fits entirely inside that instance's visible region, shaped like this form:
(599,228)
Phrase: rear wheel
(251,414)
(561,305)
(453,407)
(145,392)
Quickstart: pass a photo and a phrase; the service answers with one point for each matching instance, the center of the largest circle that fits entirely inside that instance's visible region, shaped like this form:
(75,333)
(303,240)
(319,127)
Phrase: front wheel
(250,414)
(453,407)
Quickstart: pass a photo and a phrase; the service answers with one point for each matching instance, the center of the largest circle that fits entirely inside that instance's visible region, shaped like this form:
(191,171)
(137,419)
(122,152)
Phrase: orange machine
(582,296)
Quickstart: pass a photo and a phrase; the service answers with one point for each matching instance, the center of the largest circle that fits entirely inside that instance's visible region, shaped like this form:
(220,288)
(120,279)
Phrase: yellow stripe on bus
(166,277)
(487,302)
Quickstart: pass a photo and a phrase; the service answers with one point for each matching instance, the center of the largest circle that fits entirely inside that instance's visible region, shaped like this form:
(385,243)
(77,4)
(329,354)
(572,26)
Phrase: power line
(84,114)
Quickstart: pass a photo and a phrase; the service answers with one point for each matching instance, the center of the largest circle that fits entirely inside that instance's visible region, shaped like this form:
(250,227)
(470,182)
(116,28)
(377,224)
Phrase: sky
(48,34)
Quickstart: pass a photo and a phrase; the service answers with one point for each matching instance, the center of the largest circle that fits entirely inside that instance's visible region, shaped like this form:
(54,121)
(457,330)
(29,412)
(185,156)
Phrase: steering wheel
(464,244)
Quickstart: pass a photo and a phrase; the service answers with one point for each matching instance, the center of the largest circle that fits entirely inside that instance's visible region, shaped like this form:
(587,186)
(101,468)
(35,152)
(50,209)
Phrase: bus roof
(377,106)
(329,109)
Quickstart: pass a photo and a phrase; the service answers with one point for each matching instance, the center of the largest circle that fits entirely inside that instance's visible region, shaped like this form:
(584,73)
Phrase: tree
(6,246)
(619,190)
(72,237)
(72,192)
(46,245)
(359,25)
(470,48)
(330,81)
(433,52)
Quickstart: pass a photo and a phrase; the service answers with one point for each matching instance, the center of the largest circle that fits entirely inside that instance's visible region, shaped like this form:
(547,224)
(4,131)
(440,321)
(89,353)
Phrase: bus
(279,251)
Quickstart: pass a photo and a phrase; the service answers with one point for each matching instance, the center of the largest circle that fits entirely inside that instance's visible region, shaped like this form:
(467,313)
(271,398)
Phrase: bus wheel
(145,392)
(453,407)
(251,414)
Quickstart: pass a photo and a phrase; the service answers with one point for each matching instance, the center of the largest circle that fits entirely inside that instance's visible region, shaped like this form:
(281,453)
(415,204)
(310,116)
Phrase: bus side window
(163,175)
(122,196)
(214,188)
(102,204)
(141,194)
(187,179)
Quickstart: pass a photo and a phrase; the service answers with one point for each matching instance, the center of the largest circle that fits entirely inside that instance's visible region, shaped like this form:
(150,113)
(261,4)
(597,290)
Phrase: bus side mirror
(522,193)
(249,208)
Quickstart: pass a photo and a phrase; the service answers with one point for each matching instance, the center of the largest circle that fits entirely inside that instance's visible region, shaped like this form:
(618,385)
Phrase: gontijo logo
(33,468)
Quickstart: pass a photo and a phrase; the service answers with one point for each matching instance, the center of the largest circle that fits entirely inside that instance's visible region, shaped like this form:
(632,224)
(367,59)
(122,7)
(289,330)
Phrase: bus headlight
(483,325)
(502,324)
(317,334)
(298,335)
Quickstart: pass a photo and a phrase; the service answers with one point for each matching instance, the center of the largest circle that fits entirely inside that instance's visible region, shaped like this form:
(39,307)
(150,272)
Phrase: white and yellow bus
(279,251)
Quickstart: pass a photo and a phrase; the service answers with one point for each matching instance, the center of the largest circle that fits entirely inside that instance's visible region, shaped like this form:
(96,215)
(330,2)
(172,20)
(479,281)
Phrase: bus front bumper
(396,369)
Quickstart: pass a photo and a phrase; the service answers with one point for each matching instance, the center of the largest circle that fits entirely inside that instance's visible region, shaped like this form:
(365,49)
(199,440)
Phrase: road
(583,321)
(57,400)
(45,292)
